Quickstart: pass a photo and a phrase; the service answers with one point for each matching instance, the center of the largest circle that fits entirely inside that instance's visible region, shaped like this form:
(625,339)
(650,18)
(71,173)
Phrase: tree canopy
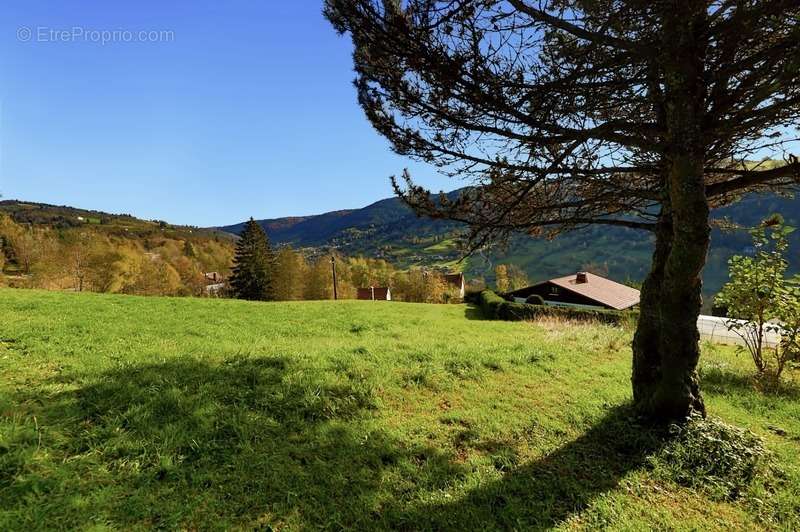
(559,109)
(564,113)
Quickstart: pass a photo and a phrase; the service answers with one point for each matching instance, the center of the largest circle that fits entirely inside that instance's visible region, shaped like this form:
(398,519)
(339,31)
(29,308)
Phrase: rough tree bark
(647,340)
(666,346)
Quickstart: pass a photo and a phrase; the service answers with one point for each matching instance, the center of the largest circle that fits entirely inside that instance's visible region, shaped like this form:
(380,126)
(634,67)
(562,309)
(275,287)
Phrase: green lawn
(129,413)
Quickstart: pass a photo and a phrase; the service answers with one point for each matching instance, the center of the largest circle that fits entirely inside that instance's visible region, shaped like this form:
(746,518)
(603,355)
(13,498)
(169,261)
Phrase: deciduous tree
(517,278)
(290,274)
(188,249)
(759,296)
(501,281)
(319,282)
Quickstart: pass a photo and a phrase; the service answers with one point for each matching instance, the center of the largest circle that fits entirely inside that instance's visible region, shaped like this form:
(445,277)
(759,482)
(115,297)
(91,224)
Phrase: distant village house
(375,293)
(455,281)
(214,283)
(581,290)
(213,277)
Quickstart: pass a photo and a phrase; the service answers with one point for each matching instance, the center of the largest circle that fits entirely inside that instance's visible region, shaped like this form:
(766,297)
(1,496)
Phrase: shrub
(710,455)
(535,299)
(473,296)
(758,294)
(490,304)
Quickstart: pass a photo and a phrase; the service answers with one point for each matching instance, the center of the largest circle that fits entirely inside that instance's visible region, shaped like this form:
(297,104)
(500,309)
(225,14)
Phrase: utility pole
(333,268)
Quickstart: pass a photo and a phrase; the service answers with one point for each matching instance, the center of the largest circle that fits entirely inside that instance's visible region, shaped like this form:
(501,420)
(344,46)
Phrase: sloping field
(130,413)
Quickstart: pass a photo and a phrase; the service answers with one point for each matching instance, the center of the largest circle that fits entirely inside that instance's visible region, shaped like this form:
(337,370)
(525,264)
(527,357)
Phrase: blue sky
(245,108)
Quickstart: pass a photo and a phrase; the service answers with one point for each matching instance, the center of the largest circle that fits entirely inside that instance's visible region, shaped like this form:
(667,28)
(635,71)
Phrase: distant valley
(389,229)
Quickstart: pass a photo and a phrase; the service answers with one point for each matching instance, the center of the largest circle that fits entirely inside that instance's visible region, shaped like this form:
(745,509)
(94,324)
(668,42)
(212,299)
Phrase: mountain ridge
(389,229)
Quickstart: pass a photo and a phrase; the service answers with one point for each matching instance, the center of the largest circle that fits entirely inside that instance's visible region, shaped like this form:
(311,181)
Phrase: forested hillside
(388,229)
(64,248)
(57,247)
(50,246)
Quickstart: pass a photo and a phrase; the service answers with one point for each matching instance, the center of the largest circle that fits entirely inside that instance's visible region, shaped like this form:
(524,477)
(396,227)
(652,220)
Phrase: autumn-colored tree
(107,276)
(2,262)
(345,288)
(420,286)
(360,274)
(22,244)
(154,277)
(571,113)
(370,272)
(501,280)
(99,260)
(214,255)
(517,278)
(77,253)
(5,244)
(44,259)
(319,281)
(289,274)
(193,281)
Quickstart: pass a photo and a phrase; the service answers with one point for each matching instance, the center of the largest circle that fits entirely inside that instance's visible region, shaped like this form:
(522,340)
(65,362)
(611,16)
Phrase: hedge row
(495,307)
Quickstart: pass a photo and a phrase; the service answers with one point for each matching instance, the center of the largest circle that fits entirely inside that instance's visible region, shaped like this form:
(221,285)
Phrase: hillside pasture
(132,413)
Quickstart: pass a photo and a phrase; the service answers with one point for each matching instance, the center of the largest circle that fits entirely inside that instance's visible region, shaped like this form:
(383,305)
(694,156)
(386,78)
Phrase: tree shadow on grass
(721,381)
(473,312)
(545,493)
(255,441)
(186,443)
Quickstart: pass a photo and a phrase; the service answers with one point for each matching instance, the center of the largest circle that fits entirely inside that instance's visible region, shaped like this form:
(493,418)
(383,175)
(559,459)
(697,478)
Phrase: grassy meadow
(121,412)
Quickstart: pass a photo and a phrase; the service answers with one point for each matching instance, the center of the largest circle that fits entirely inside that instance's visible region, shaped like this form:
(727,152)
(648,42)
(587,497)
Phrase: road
(715,329)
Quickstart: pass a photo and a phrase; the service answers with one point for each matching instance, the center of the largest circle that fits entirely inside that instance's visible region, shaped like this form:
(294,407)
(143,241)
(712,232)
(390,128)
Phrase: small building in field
(215,283)
(455,281)
(214,289)
(582,289)
(375,293)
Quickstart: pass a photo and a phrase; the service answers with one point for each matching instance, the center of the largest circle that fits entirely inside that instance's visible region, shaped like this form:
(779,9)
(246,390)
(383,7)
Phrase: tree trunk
(678,393)
(666,345)
(647,340)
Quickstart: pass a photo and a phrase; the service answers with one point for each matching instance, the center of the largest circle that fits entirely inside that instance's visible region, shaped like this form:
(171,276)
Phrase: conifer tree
(566,113)
(253,265)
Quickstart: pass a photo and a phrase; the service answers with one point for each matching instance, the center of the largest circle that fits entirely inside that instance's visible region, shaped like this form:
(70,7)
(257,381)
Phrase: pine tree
(564,114)
(253,265)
